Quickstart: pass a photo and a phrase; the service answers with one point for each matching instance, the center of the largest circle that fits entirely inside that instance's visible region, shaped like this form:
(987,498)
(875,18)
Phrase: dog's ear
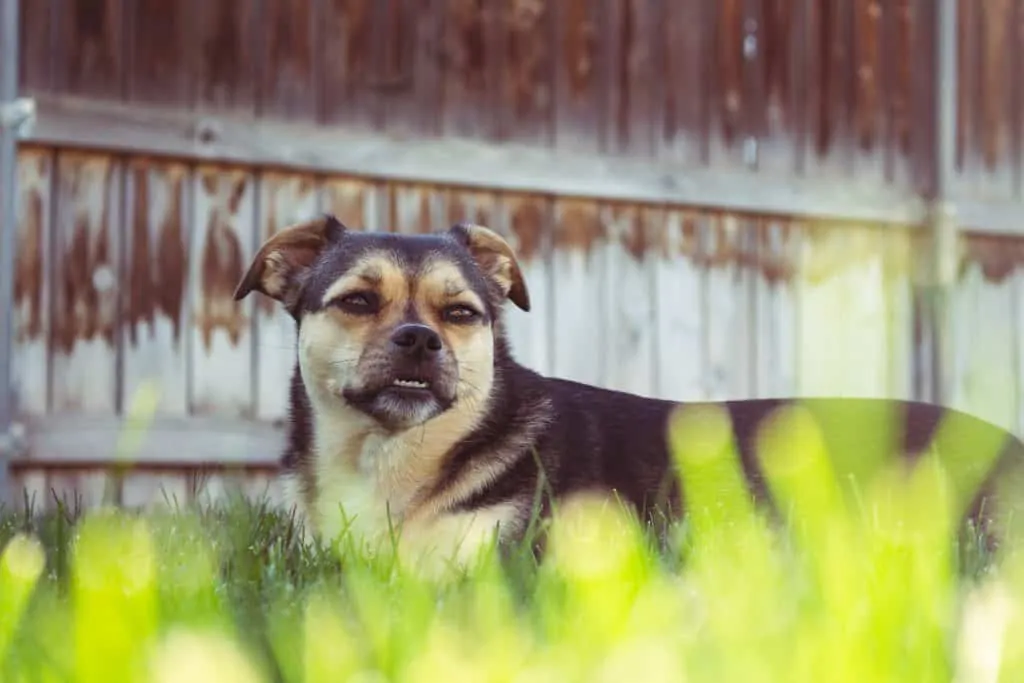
(275,268)
(496,258)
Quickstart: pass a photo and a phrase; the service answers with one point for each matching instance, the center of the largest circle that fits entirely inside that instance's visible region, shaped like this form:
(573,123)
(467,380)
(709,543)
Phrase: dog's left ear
(496,258)
(282,258)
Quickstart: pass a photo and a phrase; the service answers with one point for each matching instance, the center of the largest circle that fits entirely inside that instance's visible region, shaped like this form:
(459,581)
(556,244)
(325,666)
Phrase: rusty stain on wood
(33,176)
(349,200)
(467,205)
(85,302)
(159,57)
(528,93)
(91,44)
(579,224)
(157,269)
(997,256)
(411,208)
(776,258)
(629,228)
(528,223)
(289,88)
(227,53)
(222,262)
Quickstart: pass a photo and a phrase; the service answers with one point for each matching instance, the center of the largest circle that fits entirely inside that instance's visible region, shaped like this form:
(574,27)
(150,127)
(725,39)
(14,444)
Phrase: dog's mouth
(402,400)
(411,383)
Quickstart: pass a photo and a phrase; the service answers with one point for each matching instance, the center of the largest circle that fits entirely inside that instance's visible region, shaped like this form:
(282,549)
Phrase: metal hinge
(19,115)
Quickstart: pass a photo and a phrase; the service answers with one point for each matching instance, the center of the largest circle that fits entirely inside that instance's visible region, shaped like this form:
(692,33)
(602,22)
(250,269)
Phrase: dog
(409,412)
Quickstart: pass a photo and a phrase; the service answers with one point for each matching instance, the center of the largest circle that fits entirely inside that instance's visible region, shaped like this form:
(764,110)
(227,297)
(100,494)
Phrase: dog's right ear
(282,258)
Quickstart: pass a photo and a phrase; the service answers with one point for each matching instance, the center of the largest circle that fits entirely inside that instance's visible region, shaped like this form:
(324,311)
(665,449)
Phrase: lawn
(876,583)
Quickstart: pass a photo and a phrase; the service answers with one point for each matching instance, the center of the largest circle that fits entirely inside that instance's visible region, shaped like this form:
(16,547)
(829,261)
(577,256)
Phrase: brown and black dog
(408,411)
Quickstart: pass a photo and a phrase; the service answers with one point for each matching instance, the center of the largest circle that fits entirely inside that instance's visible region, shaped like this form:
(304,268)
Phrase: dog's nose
(416,339)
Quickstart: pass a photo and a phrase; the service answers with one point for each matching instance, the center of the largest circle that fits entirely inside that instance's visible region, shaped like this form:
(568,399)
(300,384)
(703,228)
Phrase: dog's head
(398,327)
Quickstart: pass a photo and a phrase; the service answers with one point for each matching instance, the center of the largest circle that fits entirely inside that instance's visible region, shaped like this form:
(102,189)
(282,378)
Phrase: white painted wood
(358,203)
(775,328)
(84,360)
(679,288)
(155,344)
(578,299)
(284,199)
(629,319)
(416,209)
(845,326)
(221,350)
(525,221)
(465,162)
(32,283)
(728,309)
(154,491)
(985,348)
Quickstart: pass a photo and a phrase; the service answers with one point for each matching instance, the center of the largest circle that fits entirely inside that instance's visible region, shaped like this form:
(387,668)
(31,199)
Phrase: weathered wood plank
(227,51)
(472,206)
(472,68)
(359,204)
(160,60)
(76,490)
(349,64)
(289,76)
(728,246)
(578,299)
(85,285)
(35,45)
(526,102)
(679,286)
(774,272)
(848,342)
(33,283)
(221,353)
(408,74)
(152,491)
(284,199)
(581,71)
(728,97)
(629,314)
(687,125)
(155,293)
(984,331)
(90,49)
(635,47)
(525,221)
(416,209)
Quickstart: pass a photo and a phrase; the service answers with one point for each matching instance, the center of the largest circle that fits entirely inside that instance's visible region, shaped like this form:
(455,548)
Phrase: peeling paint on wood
(475,207)
(357,203)
(525,221)
(629,313)
(728,244)
(91,48)
(416,209)
(86,279)
(578,298)
(679,319)
(159,57)
(222,245)
(228,54)
(289,74)
(997,258)
(156,282)
(778,243)
(284,199)
(32,286)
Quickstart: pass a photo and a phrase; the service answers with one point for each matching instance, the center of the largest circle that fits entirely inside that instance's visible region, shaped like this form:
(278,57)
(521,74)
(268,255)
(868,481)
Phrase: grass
(869,583)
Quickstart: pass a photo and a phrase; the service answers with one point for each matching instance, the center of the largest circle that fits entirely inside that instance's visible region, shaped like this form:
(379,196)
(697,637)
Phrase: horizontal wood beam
(73,122)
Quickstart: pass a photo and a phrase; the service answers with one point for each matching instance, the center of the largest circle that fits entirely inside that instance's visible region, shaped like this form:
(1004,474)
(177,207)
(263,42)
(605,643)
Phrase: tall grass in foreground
(861,587)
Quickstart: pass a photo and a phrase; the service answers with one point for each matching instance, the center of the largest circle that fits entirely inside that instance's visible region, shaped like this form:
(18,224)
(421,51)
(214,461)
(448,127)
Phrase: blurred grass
(872,584)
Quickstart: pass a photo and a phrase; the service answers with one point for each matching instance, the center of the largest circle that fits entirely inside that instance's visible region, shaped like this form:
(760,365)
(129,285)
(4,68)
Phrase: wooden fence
(710,199)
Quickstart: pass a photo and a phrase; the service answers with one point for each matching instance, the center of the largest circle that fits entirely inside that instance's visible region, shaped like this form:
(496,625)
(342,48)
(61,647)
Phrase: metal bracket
(19,115)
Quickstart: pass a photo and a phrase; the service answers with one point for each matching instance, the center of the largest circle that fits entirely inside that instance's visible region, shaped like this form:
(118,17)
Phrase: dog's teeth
(411,383)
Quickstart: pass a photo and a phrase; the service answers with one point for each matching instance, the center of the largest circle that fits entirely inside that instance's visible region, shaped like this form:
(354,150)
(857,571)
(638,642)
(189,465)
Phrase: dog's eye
(357,302)
(460,313)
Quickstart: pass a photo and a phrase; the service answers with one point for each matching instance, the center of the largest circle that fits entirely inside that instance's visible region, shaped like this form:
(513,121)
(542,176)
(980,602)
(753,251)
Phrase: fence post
(13,113)
(943,222)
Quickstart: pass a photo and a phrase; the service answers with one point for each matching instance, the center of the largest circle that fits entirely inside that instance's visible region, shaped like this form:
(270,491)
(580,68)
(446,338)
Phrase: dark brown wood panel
(35,69)
(160,61)
(349,64)
(288,82)
(228,52)
(471,76)
(406,79)
(526,101)
(581,75)
(868,64)
(90,48)
(727,81)
(635,45)
(687,81)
